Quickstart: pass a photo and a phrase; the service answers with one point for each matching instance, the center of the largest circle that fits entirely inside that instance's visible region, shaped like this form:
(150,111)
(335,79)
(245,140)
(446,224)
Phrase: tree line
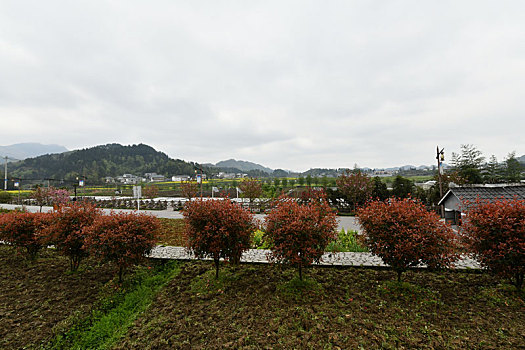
(471,167)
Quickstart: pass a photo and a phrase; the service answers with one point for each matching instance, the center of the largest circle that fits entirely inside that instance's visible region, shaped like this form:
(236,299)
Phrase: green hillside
(98,162)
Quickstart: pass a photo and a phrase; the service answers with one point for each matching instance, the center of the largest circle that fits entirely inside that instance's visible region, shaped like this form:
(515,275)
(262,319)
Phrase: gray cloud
(292,84)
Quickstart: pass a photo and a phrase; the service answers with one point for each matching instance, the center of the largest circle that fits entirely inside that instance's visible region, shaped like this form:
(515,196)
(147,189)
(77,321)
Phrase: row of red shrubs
(404,234)
(81,230)
(400,231)
(298,232)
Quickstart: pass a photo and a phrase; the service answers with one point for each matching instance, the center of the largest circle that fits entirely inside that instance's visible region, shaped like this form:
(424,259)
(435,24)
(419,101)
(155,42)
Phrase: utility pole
(440,156)
(199,179)
(5,174)
(75,185)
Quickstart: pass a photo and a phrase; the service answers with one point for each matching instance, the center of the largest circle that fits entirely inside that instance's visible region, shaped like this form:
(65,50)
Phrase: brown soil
(255,307)
(37,298)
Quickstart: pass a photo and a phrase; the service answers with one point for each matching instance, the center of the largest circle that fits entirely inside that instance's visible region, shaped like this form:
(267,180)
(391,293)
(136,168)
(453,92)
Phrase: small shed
(456,198)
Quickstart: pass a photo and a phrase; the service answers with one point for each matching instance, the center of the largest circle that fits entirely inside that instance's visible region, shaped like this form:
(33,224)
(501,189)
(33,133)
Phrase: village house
(180,178)
(129,179)
(457,199)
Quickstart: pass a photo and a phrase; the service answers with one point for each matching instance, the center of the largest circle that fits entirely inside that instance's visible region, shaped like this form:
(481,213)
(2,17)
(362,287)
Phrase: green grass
(501,295)
(207,284)
(405,292)
(116,312)
(259,241)
(297,289)
(347,241)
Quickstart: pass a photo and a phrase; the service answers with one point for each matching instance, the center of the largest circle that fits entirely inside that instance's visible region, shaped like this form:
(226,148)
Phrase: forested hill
(98,162)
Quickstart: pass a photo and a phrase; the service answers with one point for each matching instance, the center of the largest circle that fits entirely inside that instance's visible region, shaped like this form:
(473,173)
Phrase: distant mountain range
(21,151)
(242,165)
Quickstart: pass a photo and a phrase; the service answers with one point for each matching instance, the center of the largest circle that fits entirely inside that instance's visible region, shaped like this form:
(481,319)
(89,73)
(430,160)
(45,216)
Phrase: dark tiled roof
(470,194)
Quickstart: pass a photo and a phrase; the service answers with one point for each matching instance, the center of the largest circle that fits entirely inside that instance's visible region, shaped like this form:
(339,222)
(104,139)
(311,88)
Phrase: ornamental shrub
(495,234)
(189,189)
(347,241)
(67,230)
(123,238)
(300,231)
(251,189)
(218,229)
(151,192)
(40,195)
(23,230)
(58,197)
(404,234)
(5,197)
(260,240)
(356,186)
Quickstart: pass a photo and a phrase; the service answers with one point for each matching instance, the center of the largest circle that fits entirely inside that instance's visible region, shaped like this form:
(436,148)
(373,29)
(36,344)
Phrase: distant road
(346,222)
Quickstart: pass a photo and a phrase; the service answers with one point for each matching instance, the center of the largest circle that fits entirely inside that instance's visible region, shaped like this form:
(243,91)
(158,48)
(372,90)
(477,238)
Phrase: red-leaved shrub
(251,189)
(40,195)
(218,229)
(67,230)
(123,238)
(151,191)
(495,234)
(404,234)
(189,189)
(300,232)
(23,230)
(356,186)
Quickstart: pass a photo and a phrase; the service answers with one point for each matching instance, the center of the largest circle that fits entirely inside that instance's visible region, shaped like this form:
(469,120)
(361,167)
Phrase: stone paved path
(329,259)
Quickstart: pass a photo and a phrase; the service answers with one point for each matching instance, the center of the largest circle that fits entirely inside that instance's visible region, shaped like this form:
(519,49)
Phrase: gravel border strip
(328,259)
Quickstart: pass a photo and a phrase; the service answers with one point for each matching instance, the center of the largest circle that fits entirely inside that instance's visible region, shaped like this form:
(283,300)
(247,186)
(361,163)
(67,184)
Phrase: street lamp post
(440,156)
(5,174)
(80,180)
(17,184)
(75,185)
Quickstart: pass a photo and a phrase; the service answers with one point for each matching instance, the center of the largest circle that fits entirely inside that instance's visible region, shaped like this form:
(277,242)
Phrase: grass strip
(116,313)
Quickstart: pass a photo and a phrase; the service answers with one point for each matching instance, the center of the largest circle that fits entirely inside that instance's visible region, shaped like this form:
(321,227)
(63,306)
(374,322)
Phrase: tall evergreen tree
(492,172)
(469,163)
(402,187)
(513,168)
(379,189)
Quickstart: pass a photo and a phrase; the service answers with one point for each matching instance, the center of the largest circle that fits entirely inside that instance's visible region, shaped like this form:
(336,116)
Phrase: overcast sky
(287,84)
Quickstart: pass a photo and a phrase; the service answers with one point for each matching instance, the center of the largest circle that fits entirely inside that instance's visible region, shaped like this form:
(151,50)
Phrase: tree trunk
(519,281)
(216,260)
(300,271)
(74,263)
(120,271)
(399,272)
